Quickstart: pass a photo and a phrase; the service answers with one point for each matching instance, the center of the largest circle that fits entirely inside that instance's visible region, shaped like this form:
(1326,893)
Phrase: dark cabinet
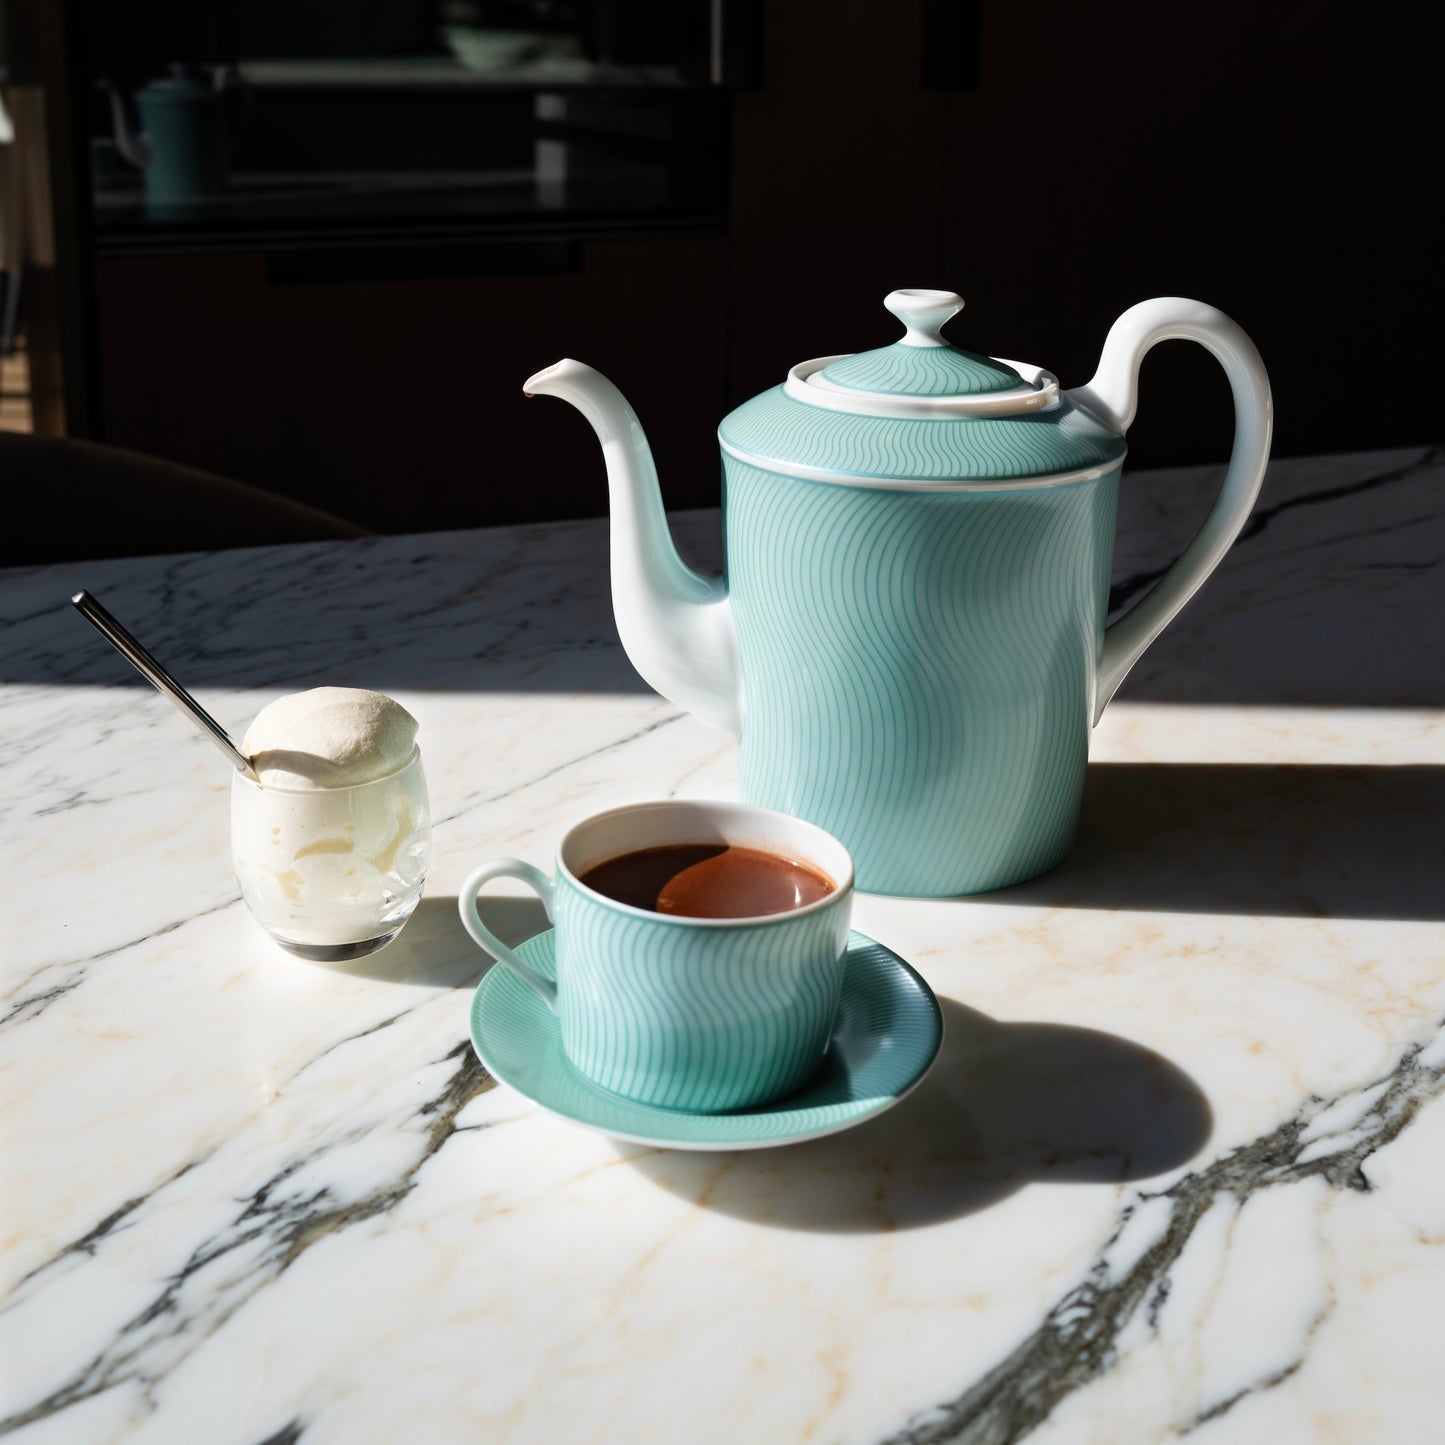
(397,402)
(354,330)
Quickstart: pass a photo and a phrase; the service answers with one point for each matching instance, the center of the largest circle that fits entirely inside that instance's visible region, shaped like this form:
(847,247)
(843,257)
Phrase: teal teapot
(909,642)
(189,127)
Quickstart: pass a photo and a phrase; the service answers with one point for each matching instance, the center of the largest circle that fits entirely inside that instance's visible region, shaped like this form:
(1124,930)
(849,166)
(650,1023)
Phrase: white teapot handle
(1112,396)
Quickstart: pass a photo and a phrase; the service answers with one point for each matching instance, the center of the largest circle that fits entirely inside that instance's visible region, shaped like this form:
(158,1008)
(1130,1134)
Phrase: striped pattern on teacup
(697,1017)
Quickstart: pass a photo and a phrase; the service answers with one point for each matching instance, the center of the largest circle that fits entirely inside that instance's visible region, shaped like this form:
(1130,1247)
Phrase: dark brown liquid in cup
(708,880)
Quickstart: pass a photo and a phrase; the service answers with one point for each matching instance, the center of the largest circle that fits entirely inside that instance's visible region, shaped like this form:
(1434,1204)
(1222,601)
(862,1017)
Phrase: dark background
(1053,164)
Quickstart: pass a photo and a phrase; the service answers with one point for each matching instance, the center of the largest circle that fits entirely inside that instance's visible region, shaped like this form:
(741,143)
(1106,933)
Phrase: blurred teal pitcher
(909,641)
(189,127)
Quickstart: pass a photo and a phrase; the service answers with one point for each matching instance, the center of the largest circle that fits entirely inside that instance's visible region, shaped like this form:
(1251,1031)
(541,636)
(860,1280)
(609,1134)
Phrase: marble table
(1179,1170)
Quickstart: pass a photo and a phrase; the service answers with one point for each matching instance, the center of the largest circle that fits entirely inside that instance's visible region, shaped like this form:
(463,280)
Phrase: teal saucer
(885,1038)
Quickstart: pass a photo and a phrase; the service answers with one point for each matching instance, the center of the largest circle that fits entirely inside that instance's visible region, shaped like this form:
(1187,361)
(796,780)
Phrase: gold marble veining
(1177,1171)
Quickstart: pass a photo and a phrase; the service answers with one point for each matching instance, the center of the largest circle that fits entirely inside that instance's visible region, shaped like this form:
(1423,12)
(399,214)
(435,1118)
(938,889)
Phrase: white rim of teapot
(806,383)
(920,484)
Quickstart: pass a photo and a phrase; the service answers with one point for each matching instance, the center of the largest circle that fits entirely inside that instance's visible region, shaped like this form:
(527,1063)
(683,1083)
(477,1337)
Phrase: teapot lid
(921,414)
(183,82)
(923,362)
(922,375)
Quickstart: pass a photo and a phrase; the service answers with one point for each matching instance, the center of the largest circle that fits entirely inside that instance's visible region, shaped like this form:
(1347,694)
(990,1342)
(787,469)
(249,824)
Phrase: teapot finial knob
(924,313)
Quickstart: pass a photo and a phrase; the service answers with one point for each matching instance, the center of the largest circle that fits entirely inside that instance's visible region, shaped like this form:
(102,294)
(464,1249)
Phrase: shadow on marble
(1328,598)
(1281,841)
(1333,658)
(467,612)
(1007,1104)
(435,951)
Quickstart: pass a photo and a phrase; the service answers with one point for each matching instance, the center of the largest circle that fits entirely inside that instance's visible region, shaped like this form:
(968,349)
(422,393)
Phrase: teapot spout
(133,145)
(675,624)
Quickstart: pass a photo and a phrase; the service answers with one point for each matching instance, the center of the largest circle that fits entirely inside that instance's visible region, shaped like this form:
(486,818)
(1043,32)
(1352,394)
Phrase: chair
(68,501)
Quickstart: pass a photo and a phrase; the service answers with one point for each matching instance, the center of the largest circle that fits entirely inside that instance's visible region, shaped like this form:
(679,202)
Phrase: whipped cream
(331,849)
(329,737)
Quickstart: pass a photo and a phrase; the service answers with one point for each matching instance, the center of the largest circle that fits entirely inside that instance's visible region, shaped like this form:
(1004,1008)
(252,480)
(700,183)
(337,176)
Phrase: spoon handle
(159,678)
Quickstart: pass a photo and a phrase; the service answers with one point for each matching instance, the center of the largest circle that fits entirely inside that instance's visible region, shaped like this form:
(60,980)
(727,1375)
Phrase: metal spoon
(155,674)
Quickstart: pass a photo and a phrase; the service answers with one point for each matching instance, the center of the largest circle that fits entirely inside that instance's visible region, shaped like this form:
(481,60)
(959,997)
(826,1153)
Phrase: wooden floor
(15,392)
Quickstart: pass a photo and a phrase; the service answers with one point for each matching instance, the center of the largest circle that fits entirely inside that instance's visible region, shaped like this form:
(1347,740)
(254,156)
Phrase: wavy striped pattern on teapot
(923,371)
(919,670)
(1064,438)
(698,1018)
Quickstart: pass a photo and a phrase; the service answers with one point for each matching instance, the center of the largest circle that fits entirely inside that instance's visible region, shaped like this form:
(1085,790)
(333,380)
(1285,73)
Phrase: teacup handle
(536,880)
(1112,395)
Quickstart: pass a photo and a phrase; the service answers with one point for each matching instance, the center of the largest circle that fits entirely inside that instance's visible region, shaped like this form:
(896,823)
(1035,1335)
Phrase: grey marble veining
(1177,1172)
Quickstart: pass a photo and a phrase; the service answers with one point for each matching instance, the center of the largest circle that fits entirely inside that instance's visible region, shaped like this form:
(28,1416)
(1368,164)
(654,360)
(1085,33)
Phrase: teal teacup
(703,1014)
